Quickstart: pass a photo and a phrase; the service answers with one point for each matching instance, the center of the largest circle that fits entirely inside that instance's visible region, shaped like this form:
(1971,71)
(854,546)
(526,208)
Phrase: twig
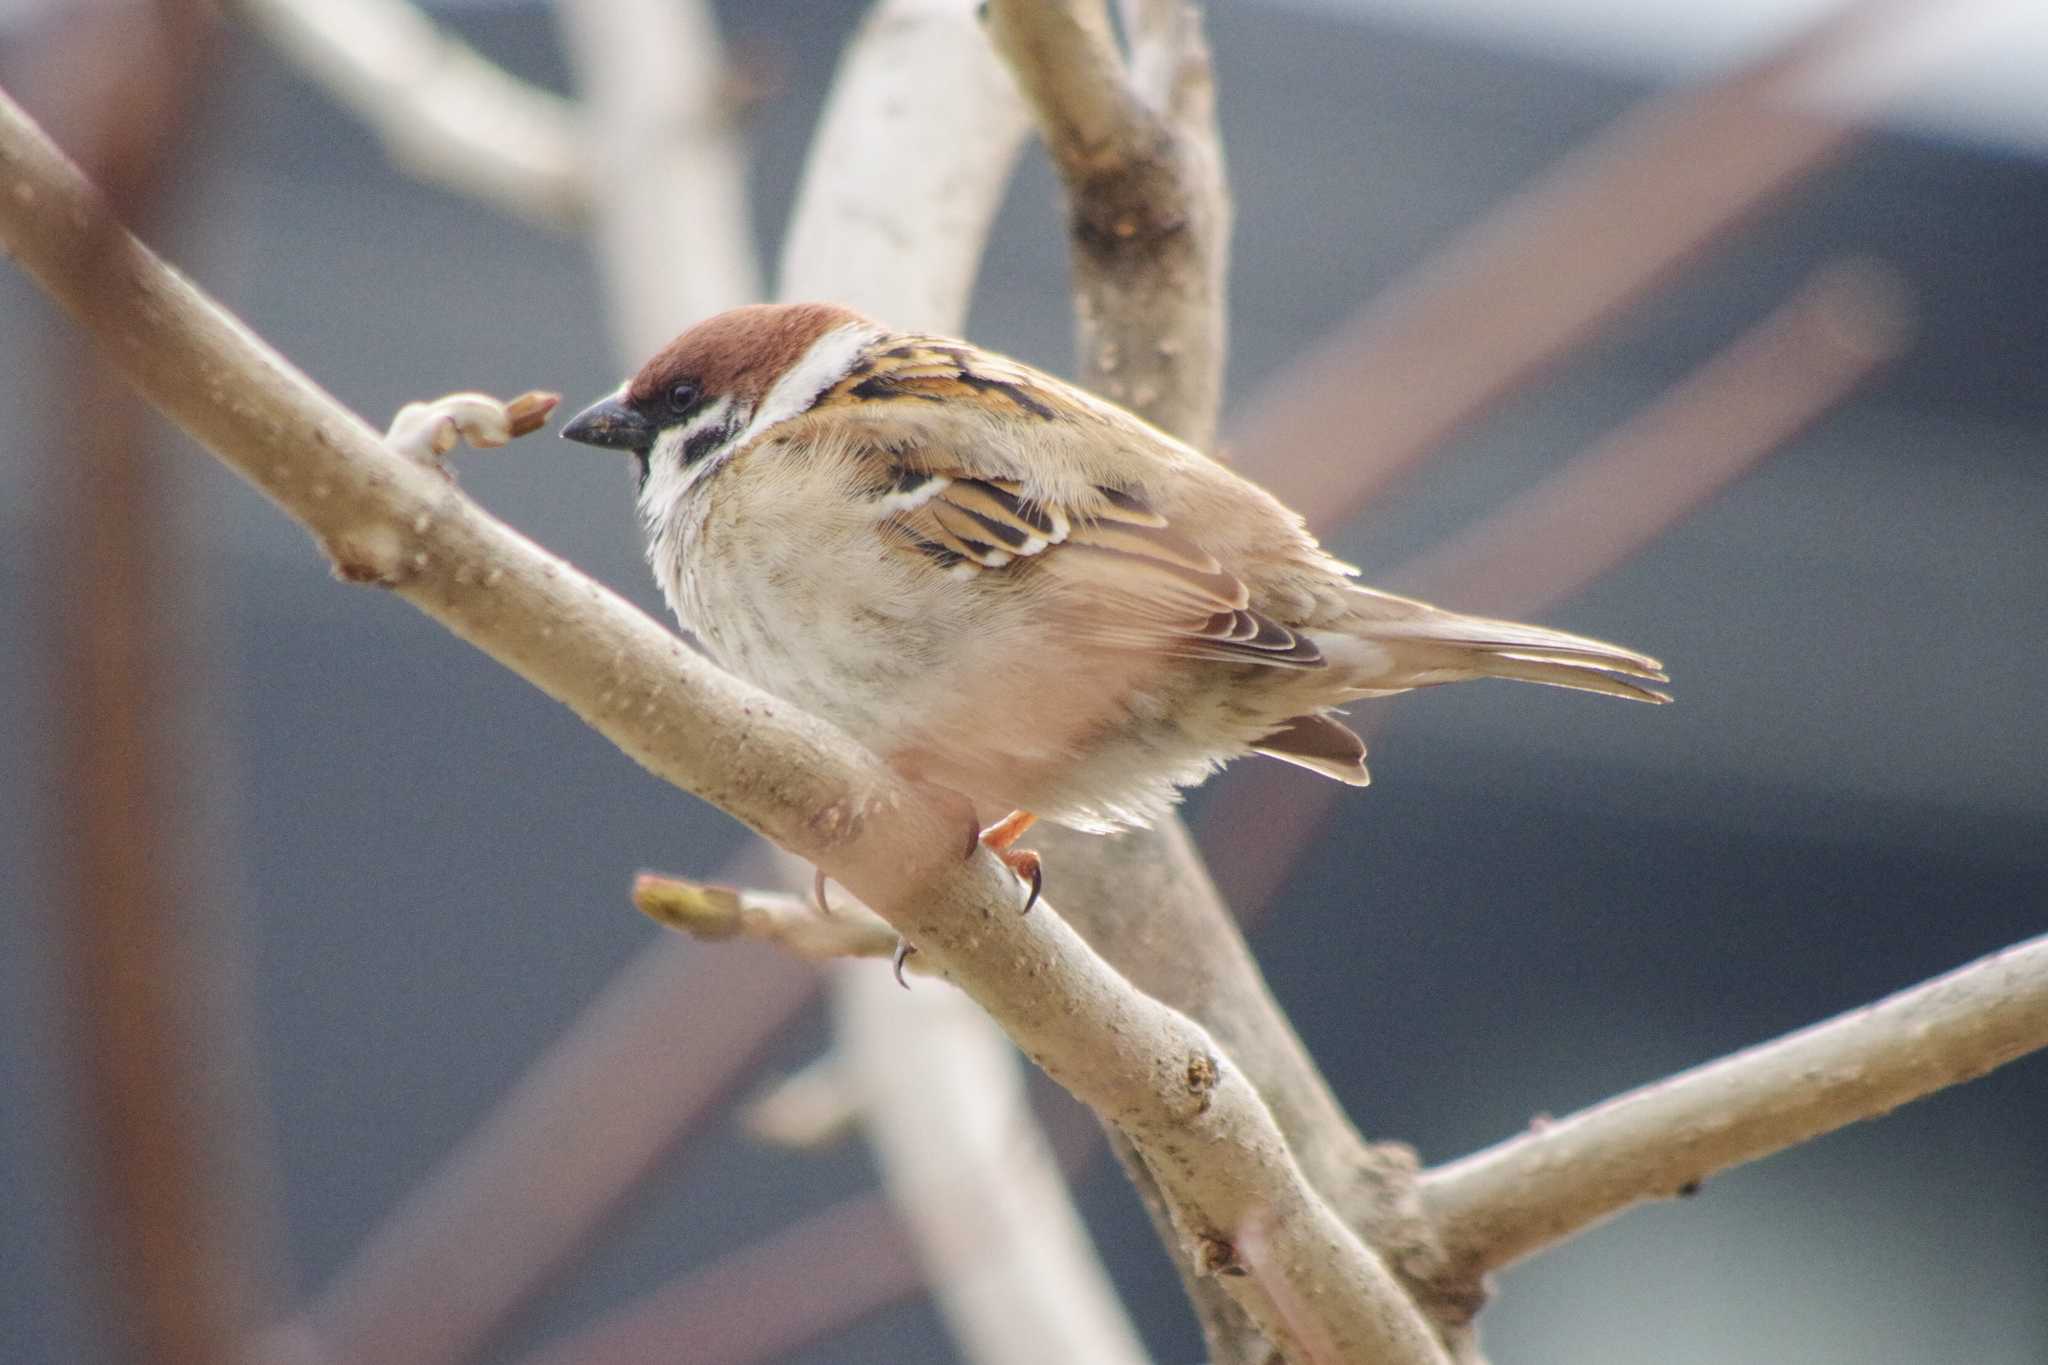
(1152,1072)
(806,1109)
(674,233)
(708,912)
(446,115)
(1532,1191)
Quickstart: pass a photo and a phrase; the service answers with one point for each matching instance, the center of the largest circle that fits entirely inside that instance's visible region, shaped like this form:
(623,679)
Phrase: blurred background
(419,864)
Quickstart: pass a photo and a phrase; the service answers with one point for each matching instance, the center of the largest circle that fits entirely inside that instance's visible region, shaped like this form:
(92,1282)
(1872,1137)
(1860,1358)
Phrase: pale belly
(960,684)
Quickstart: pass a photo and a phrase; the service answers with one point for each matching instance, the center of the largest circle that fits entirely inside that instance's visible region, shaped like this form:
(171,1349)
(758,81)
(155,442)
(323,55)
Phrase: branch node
(1217,1256)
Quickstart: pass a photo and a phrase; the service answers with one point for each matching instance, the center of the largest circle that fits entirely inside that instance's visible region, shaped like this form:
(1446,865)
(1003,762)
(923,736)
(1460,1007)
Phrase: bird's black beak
(614,424)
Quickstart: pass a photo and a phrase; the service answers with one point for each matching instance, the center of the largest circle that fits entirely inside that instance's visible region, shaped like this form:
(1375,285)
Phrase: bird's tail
(1412,644)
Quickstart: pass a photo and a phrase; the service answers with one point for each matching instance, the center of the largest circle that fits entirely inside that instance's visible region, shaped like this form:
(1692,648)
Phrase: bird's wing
(1111,570)
(948,472)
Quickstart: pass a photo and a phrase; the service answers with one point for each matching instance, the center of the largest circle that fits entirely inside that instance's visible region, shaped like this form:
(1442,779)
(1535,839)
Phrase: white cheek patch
(669,480)
(824,365)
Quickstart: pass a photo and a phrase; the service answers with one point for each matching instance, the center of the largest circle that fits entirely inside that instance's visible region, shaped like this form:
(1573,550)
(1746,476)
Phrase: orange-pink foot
(1026,863)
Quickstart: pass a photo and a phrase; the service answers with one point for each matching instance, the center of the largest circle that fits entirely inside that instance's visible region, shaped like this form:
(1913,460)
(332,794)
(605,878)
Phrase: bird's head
(720,385)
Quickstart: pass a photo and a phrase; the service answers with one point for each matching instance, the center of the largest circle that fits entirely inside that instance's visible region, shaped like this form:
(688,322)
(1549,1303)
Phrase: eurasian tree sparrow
(1009,587)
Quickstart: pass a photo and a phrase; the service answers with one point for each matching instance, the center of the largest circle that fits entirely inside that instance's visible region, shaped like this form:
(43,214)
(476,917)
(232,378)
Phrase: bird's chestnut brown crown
(737,355)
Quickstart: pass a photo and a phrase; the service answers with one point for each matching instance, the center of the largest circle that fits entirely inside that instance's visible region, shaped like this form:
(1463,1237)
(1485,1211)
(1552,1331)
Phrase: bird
(1007,586)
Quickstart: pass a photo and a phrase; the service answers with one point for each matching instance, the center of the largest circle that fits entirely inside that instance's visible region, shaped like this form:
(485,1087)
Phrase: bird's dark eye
(683,397)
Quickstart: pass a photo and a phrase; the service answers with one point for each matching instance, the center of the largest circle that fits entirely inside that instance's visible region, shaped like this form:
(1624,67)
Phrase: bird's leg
(1025,862)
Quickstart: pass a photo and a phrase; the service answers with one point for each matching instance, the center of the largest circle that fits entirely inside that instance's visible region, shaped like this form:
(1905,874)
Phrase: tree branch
(713,913)
(1150,219)
(1147,208)
(1532,1191)
(382,519)
(446,115)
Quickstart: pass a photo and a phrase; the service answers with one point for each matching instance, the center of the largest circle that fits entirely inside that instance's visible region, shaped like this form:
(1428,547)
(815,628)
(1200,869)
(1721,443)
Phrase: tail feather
(1418,646)
(1585,677)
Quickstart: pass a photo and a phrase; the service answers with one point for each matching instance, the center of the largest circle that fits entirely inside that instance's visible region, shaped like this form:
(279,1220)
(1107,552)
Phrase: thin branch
(1533,1191)
(382,519)
(674,233)
(713,913)
(446,115)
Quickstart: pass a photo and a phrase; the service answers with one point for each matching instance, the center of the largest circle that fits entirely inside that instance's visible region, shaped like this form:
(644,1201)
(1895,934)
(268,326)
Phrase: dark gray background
(1544,899)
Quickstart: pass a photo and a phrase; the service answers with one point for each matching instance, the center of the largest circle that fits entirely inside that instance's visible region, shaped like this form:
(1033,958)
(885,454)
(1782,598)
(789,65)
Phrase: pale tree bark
(444,113)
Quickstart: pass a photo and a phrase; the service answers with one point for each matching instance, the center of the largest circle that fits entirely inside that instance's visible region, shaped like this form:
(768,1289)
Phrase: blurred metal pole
(155,1096)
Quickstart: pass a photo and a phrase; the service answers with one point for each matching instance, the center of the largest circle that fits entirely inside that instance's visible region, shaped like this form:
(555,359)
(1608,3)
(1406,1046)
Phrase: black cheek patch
(704,442)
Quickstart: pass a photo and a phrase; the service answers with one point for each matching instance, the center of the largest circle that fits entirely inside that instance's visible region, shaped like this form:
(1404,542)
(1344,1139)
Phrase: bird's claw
(904,948)
(1026,863)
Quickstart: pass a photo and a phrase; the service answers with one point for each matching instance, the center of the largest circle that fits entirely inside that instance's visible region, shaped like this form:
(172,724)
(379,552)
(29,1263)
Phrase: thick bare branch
(446,114)
(1499,1205)
(907,170)
(1148,211)
(1162,1080)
